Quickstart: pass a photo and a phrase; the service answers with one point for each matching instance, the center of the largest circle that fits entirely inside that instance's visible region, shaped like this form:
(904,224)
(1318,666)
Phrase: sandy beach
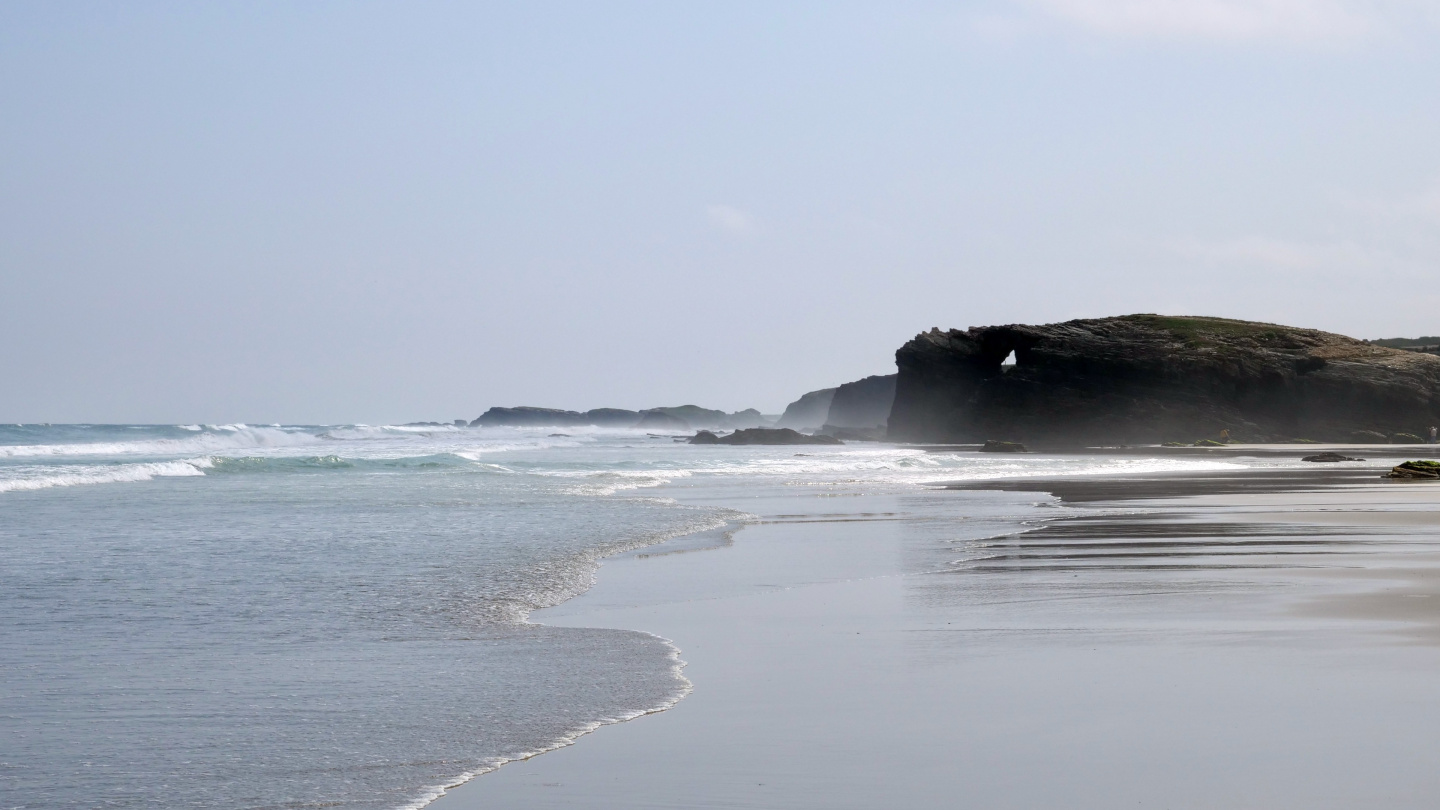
(1243,639)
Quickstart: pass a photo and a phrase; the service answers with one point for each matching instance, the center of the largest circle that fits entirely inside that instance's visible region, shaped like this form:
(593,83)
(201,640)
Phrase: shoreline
(630,596)
(677,669)
(684,543)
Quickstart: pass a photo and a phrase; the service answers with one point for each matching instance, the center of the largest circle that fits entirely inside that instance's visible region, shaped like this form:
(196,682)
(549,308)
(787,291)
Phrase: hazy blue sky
(394,211)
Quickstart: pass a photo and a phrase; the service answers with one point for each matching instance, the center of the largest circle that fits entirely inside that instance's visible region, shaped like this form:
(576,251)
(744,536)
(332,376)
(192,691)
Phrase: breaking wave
(228,437)
(20,479)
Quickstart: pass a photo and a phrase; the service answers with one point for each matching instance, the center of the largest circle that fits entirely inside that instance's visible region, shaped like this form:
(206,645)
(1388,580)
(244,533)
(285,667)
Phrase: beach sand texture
(1240,640)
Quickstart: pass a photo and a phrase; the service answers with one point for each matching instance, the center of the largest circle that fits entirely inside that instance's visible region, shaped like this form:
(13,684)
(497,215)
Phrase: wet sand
(1262,639)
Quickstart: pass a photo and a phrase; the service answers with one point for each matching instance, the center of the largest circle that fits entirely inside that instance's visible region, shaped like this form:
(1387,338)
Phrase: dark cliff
(809,411)
(862,404)
(1149,378)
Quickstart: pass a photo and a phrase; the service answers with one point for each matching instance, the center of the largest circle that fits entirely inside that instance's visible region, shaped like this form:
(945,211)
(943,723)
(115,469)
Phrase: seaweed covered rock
(1142,379)
(1326,458)
(1425,470)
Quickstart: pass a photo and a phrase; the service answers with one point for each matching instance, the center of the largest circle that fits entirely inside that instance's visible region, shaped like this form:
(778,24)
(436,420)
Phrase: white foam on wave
(683,688)
(905,465)
(387,431)
(1086,467)
(21,479)
(474,452)
(611,482)
(882,465)
(230,437)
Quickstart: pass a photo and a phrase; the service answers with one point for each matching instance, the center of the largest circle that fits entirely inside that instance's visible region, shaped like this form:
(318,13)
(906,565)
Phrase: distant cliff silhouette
(1150,378)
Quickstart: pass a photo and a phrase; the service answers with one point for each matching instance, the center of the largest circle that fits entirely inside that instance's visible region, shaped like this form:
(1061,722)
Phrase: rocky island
(762,436)
(1149,378)
(681,417)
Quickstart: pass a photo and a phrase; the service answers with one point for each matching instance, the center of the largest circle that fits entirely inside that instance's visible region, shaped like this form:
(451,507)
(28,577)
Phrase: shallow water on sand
(293,616)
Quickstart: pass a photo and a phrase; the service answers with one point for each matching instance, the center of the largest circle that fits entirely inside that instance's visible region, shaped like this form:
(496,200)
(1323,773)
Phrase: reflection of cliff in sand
(1148,378)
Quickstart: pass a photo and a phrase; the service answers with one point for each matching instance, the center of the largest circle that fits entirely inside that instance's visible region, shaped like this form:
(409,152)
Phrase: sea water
(241,616)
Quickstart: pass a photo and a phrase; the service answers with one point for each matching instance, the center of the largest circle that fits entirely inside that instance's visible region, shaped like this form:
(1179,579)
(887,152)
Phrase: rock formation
(762,436)
(1425,470)
(684,417)
(660,420)
(1149,378)
(1427,345)
(861,404)
(612,417)
(529,416)
(1329,458)
(748,418)
(809,411)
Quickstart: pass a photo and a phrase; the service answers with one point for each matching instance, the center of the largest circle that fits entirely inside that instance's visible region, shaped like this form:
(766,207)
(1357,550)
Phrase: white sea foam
(23,478)
(880,465)
(683,690)
(228,437)
(611,482)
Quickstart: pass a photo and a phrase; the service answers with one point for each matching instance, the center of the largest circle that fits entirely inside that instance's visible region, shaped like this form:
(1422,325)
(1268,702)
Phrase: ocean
(244,616)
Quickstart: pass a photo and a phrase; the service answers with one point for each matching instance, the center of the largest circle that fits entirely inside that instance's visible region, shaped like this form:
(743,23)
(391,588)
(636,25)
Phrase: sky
(375,212)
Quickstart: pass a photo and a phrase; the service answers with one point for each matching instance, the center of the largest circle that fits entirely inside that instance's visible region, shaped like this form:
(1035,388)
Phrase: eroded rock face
(862,404)
(809,411)
(1149,378)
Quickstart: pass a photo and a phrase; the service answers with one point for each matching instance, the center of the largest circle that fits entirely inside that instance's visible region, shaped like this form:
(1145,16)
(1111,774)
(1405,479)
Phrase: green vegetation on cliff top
(1194,328)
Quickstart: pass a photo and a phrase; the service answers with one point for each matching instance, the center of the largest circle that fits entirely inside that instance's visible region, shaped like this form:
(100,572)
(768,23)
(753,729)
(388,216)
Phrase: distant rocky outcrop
(660,420)
(612,417)
(809,411)
(529,416)
(1149,379)
(697,417)
(1425,345)
(762,436)
(862,404)
(748,418)
(684,417)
